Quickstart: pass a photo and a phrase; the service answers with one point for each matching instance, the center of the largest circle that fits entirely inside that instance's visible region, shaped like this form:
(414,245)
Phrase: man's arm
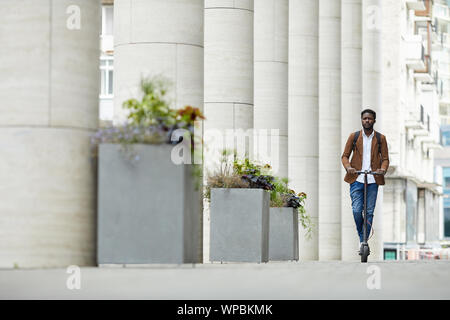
(384,154)
(347,152)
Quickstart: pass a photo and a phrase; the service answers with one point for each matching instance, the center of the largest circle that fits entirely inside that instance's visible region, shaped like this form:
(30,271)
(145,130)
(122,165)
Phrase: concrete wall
(49,89)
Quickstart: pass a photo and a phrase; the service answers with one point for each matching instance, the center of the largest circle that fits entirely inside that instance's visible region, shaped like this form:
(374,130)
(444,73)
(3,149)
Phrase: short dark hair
(369,111)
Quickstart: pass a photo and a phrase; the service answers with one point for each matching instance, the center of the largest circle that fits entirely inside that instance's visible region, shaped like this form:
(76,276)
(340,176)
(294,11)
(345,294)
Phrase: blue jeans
(357,195)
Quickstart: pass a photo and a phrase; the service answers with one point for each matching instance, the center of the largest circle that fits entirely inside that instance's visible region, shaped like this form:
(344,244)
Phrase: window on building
(447,222)
(390,254)
(107,77)
(107,20)
(447,182)
(446,138)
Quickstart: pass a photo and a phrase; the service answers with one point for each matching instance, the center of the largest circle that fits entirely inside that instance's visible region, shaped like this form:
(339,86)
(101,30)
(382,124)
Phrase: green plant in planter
(247,174)
(258,176)
(151,120)
(283,196)
(153,109)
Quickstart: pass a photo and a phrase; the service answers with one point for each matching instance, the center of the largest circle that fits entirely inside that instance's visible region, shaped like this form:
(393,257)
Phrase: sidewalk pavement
(271,281)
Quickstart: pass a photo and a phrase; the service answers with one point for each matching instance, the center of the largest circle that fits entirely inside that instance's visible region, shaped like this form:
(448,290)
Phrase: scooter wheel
(365,253)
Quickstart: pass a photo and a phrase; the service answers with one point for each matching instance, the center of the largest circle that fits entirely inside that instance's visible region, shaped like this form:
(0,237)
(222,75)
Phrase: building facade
(441,40)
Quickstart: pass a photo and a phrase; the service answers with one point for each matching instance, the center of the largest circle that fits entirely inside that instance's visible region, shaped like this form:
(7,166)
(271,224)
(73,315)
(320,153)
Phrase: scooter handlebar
(369,172)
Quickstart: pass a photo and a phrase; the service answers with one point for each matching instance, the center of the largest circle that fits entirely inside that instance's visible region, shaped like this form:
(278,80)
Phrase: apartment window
(390,254)
(107,77)
(447,182)
(446,138)
(447,222)
(107,20)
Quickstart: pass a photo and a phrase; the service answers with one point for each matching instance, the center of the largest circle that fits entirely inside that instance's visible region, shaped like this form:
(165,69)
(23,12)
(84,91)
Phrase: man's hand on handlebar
(381,171)
(351,170)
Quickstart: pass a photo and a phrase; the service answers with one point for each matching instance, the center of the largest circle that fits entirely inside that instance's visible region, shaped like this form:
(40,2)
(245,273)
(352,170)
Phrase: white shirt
(367,156)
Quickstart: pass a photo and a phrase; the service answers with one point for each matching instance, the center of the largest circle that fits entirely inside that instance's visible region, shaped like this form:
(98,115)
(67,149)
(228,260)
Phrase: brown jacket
(378,161)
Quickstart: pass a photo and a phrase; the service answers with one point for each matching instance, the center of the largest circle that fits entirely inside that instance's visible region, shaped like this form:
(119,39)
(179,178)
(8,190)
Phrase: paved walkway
(274,280)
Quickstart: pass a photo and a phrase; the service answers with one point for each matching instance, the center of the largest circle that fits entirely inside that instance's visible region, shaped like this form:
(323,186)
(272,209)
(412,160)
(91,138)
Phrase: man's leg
(372,192)
(357,196)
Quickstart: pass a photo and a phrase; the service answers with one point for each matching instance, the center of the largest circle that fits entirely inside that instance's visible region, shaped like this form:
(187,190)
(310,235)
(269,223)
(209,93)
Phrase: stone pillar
(49,88)
(421,209)
(228,65)
(330,130)
(351,101)
(411,213)
(153,37)
(271,76)
(372,96)
(431,219)
(303,112)
(228,83)
(394,210)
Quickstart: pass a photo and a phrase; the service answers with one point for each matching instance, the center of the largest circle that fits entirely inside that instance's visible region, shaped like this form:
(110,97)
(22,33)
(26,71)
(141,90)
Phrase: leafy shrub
(150,120)
(246,174)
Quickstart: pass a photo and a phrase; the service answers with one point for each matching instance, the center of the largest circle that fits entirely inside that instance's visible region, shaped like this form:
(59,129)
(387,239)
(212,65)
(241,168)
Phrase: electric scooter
(364,251)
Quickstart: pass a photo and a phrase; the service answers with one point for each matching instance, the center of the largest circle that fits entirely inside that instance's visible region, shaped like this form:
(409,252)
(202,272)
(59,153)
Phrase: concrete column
(421,209)
(49,86)
(411,213)
(271,75)
(372,95)
(394,211)
(431,219)
(228,82)
(153,37)
(351,101)
(303,112)
(228,64)
(330,129)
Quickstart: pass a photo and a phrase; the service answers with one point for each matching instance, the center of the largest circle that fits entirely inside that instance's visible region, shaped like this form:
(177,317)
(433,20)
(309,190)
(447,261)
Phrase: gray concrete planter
(148,210)
(239,225)
(283,234)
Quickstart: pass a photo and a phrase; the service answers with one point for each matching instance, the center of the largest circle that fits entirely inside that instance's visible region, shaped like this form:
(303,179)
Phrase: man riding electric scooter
(365,172)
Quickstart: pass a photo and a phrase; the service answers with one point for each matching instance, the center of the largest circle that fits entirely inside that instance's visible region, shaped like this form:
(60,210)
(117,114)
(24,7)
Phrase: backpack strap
(378,135)
(379,141)
(355,137)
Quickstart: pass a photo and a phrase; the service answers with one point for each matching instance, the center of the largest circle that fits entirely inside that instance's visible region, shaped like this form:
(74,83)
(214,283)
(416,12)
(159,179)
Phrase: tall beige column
(351,102)
(303,112)
(329,129)
(372,96)
(228,82)
(153,37)
(229,64)
(271,77)
(49,86)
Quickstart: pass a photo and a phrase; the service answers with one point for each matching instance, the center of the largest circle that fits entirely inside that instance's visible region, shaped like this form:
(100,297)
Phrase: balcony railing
(415,52)
(415,4)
